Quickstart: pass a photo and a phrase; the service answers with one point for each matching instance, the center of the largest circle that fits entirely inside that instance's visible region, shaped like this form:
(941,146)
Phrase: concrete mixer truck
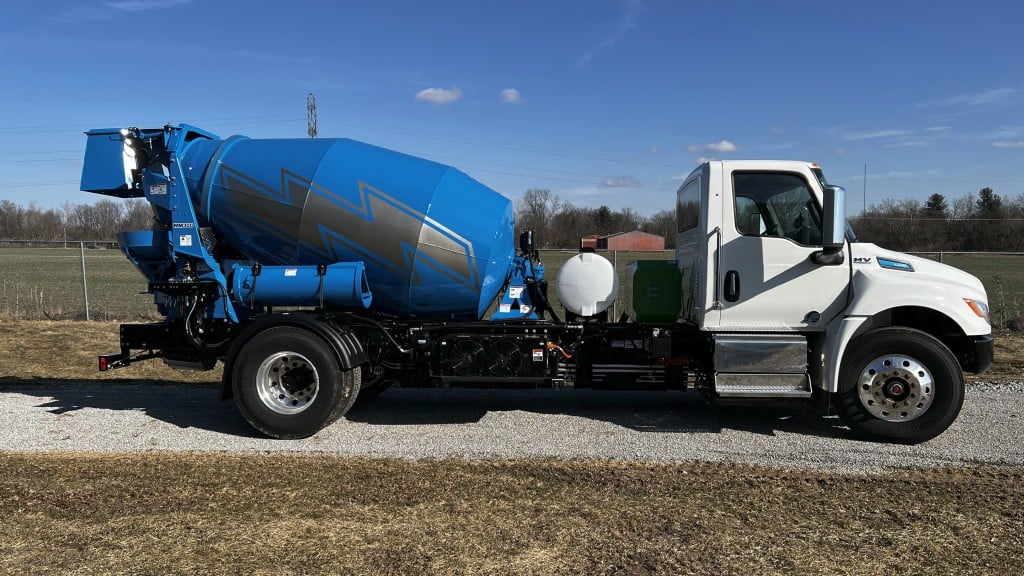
(322,270)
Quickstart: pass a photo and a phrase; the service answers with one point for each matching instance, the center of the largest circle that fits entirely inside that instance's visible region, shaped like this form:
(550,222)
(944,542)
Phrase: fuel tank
(435,242)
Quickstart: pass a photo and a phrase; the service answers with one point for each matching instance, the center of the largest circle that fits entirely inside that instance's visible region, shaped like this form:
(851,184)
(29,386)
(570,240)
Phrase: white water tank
(587,284)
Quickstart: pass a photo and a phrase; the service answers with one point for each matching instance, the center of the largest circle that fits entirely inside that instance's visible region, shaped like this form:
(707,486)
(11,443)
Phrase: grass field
(1003,276)
(46,283)
(218,514)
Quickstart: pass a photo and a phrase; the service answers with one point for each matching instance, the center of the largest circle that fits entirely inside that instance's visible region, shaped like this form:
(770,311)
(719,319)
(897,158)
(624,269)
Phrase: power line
(916,219)
(22,153)
(39,160)
(34,184)
(83,127)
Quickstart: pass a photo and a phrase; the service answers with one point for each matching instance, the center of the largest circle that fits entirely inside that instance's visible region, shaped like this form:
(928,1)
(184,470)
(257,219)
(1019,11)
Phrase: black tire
(899,385)
(288,384)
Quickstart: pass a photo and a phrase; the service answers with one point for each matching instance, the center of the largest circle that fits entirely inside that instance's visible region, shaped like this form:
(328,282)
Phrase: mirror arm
(828,256)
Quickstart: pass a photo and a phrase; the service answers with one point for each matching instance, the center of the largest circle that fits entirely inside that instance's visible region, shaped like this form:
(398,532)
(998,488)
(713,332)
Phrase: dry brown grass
(1009,362)
(217,514)
(65,349)
(221,514)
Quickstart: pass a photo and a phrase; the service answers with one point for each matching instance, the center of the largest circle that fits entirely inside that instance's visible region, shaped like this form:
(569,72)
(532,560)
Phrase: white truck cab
(771,271)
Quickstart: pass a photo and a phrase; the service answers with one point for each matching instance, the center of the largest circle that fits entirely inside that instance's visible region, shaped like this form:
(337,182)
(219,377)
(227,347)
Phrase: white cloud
(903,174)
(622,27)
(702,160)
(620,182)
(1008,144)
(511,96)
(971,100)
(722,147)
(85,11)
(438,96)
(143,5)
(909,144)
(876,134)
(654,150)
(580,193)
(1009,132)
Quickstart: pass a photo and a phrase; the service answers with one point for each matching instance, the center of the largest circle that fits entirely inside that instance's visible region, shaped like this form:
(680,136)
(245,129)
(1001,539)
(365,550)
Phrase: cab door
(771,225)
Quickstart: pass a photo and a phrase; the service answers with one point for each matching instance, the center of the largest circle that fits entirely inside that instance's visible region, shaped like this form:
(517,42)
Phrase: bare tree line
(561,224)
(973,222)
(982,222)
(98,222)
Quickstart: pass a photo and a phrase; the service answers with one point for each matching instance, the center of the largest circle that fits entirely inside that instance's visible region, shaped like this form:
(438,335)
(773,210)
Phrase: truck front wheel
(899,385)
(288,384)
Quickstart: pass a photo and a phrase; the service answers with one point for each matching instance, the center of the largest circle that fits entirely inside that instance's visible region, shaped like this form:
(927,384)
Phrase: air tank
(435,242)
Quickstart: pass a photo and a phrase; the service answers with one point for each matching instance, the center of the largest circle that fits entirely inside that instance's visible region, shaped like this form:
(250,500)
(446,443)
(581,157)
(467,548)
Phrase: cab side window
(688,206)
(776,204)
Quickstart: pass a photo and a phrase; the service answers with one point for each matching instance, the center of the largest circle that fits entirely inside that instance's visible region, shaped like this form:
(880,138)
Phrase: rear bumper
(979,353)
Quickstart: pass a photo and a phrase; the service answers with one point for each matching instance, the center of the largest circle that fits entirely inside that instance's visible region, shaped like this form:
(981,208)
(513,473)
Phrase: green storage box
(653,291)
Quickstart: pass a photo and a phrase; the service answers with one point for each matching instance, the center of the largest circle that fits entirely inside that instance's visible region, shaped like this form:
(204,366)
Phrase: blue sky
(602,101)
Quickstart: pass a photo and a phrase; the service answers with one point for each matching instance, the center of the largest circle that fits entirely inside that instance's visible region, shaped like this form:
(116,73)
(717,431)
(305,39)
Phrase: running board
(732,385)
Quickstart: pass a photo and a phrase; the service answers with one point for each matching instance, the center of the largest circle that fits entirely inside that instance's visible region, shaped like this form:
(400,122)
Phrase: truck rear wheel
(900,385)
(288,384)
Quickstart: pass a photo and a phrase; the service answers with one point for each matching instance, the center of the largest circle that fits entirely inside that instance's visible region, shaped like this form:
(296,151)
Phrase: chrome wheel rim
(287,382)
(896,388)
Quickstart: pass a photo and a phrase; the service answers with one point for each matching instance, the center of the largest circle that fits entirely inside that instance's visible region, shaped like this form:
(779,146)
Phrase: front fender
(877,290)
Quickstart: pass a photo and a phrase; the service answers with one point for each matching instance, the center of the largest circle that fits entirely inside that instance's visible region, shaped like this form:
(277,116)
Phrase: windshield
(851,236)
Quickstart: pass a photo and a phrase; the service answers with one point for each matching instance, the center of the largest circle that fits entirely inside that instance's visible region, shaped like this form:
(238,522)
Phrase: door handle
(732,286)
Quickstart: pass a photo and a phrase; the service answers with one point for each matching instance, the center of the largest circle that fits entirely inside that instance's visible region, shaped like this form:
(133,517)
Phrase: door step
(733,385)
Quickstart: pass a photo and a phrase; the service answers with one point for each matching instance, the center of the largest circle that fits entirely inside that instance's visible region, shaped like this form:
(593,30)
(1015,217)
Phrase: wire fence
(82,281)
(90,281)
(1002,273)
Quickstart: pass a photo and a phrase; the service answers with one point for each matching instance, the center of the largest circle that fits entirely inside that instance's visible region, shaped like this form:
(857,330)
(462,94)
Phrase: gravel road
(92,416)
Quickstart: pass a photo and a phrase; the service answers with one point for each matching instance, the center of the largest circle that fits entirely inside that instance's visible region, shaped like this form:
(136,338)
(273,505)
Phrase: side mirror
(833,227)
(526,242)
(834,217)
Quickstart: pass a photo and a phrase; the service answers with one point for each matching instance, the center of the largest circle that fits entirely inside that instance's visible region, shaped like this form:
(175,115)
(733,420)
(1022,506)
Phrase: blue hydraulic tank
(435,242)
(341,284)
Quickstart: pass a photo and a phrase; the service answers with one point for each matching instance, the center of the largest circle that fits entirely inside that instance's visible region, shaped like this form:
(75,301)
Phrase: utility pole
(865,208)
(311,114)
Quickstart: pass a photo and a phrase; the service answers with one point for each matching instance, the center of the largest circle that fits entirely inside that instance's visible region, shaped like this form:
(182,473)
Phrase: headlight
(980,308)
